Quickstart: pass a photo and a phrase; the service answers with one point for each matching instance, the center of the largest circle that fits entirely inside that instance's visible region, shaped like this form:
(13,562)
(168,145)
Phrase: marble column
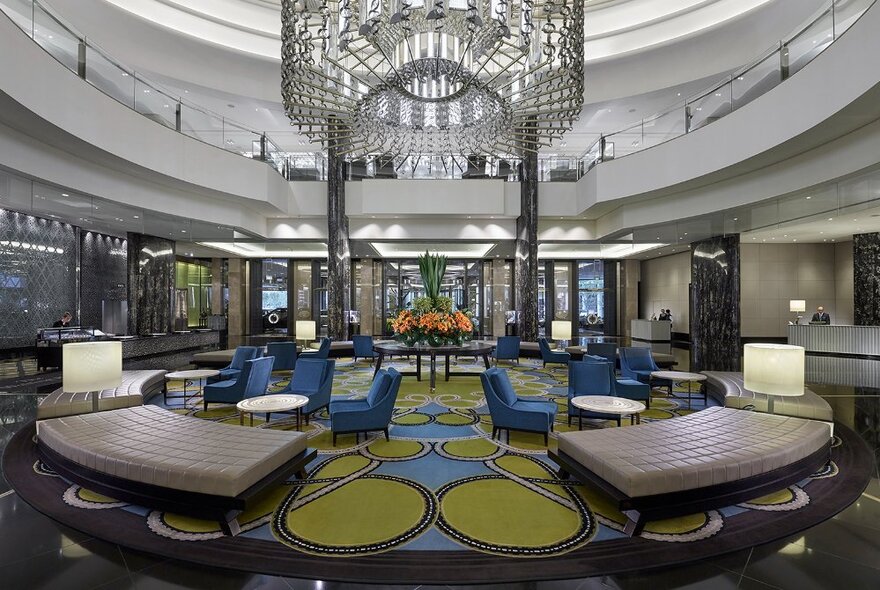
(150,284)
(338,252)
(715,318)
(610,272)
(866,279)
(526,264)
(255,296)
(237,312)
(217,286)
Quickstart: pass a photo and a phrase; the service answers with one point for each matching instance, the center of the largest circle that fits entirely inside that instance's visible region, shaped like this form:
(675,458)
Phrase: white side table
(272,403)
(606,404)
(673,376)
(188,376)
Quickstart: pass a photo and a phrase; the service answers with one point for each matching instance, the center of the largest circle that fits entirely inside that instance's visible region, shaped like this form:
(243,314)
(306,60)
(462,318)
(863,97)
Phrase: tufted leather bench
(136,388)
(150,455)
(728,388)
(708,459)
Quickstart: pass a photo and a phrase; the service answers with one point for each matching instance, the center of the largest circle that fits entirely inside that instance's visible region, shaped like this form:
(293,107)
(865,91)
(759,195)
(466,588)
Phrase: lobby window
(192,294)
(274,295)
(591,297)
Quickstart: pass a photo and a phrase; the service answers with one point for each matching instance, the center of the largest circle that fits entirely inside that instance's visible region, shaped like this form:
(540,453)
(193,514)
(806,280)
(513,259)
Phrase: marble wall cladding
(610,272)
(715,319)
(526,271)
(103,274)
(866,279)
(628,295)
(338,251)
(37,276)
(151,284)
(774,274)
(664,283)
(844,273)
(255,296)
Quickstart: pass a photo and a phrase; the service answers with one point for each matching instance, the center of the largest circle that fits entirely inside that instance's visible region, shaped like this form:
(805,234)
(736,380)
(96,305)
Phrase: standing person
(64,321)
(821,316)
(663,317)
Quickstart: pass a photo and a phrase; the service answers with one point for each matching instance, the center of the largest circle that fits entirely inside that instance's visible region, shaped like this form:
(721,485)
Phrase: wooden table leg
(252,417)
(433,370)
(447,367)
(580,419)
(299,414)
(486,360)
(418,366)
(379,363)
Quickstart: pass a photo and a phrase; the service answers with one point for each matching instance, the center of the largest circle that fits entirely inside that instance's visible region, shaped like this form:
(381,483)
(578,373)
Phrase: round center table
(606,404)
(670,377)
(474,349)
(188,377)
(272,403)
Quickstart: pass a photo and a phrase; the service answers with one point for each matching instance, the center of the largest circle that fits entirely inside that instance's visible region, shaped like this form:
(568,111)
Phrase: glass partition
(194,287)
(591,297)
(274,296)
(302,291)
(110,78)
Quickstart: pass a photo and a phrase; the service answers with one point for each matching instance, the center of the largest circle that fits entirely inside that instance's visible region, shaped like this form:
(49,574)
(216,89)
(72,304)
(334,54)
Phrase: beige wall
(628,295)
(843,279)
(773,274)
(664,284)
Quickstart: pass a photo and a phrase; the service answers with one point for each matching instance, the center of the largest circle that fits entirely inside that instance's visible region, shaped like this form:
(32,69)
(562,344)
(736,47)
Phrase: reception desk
(848,340)
(651,330)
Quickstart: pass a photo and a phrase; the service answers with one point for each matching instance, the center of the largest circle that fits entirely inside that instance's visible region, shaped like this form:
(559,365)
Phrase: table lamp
(305,331)
(797,306)
(774,369)
(560,330)
(91,367)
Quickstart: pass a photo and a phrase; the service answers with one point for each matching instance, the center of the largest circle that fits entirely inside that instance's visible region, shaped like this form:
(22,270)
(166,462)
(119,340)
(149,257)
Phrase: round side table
(267,404)
(606,404)
(673,376)
(188,376)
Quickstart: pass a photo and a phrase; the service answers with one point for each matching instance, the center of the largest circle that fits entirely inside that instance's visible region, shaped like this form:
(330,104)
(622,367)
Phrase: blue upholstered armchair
(251,382)
(366,415)
(363,347)
(510,412)
(322,353)
(607,350)
(550,356)
(284,353)
(591,376)
(312,378)
(506,349)
(231,371)
(637,364)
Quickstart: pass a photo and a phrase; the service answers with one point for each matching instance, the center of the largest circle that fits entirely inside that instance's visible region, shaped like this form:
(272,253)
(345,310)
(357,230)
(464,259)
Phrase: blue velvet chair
(284,353)
(232,370)
(607,350)
(506,349)
(510,412)
(312,378)
(591,376)
(551,356)
(322,353)
(251,382)
(363,347)
(637,364)
(367,415)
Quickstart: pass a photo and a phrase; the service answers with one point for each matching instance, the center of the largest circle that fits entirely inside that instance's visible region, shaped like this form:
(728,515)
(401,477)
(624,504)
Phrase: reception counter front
(846,340)
(651,330)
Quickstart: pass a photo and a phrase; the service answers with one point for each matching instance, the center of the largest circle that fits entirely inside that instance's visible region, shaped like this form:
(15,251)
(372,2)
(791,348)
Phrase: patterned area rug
(441,488)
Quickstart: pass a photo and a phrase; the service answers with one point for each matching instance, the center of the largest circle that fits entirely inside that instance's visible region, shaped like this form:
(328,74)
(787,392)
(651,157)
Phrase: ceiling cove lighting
(438,77)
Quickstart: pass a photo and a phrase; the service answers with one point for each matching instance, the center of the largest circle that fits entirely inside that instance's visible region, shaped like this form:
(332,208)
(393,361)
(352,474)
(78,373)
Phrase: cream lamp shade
(305,330)
(561,330)
(797,305)
(774,369)
(91,366)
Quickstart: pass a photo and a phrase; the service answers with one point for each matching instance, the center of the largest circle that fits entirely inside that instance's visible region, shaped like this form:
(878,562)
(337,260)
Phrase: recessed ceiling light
(808,198)
(183,231)
(64,195)
(830,218)
(736,218)
(137,216)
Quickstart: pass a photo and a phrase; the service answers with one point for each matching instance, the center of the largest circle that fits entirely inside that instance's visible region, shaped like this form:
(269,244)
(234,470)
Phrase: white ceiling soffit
(586,251)
(613,28)
(414,249)
(270,249)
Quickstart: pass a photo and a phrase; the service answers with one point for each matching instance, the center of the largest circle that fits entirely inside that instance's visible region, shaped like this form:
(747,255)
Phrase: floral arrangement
(432,320)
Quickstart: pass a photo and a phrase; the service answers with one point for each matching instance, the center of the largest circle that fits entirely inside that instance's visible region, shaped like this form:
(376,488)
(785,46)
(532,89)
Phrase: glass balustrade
(164,107)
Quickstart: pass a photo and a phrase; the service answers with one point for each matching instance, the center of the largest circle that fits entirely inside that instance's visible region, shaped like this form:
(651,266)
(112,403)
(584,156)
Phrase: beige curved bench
(156,458)
(137,387)
(709,459)
(728,388)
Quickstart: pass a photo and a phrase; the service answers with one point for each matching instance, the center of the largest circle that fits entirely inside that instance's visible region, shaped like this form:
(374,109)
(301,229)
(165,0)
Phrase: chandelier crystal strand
(432,77)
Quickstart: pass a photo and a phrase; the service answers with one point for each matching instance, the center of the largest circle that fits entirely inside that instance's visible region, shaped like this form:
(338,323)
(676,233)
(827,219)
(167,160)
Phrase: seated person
(820,316)
(64,321)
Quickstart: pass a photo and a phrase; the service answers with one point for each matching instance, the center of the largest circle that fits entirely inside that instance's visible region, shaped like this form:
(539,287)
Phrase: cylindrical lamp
(91,367)
(797,305)
(305,330)
(774,369)
(560,330)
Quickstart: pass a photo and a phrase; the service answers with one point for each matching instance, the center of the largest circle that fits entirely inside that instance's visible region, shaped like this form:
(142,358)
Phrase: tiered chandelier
(432,77)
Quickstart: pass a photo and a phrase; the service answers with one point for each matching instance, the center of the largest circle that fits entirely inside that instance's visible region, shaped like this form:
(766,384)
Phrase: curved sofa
(137,387)
(708,459)
(160,459)
(727,388)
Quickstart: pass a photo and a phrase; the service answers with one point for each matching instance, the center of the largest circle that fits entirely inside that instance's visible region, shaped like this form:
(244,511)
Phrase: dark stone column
(338,253)
(104,276)
(526,264)
(610,294)
(715,318)
(255,296)
(866,279)
(150,284)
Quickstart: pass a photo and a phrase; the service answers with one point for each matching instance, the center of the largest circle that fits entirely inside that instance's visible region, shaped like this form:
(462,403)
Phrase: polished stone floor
(844,552)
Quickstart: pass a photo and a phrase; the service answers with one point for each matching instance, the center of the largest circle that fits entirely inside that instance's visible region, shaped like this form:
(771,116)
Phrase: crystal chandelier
(424,77)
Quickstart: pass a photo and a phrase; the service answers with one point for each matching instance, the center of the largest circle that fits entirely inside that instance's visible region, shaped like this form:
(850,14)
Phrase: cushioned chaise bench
(713,458)
(137,387)
(728,388)
(156,458)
